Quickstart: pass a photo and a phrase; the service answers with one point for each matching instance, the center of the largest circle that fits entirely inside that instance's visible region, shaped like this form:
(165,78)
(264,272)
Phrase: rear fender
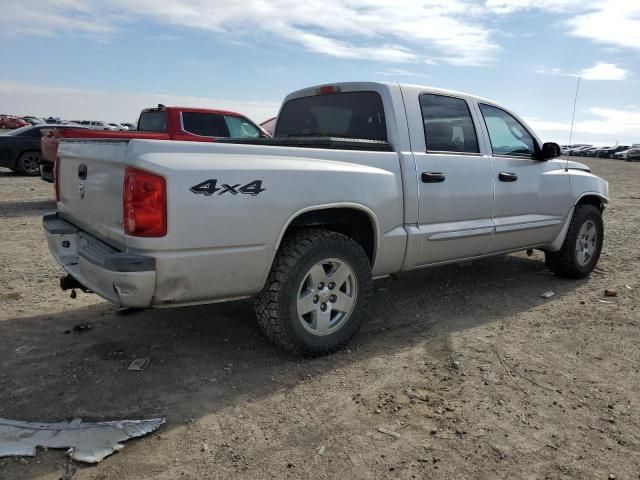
(372,216)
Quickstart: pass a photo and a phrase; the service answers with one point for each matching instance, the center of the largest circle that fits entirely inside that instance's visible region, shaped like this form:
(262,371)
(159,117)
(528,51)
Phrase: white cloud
(603,71)
(614,22)
(599,71)
(81,104)
(611,22)
(452,31)
(602,126)
(51,17)
(510,6)
(457,32)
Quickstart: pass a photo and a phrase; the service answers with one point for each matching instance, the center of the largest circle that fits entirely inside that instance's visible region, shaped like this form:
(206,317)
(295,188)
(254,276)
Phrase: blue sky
(107,60)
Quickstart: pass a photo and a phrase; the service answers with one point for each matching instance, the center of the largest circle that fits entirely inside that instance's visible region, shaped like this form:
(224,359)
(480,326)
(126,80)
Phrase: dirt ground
(479,376)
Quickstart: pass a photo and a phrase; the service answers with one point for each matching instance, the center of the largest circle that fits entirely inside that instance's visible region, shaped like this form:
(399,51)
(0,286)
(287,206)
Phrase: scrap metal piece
(139,364)
(87,442)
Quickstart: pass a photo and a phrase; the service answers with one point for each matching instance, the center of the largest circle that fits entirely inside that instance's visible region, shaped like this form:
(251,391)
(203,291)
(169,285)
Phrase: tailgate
(91,175)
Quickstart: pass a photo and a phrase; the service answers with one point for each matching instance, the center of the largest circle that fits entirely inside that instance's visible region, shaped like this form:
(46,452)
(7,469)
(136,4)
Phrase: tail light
(56,170)
(144,204)
(327,90)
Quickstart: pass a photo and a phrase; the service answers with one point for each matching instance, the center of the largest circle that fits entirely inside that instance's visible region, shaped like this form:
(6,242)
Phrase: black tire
(29,163)
(276,306)
(565,262)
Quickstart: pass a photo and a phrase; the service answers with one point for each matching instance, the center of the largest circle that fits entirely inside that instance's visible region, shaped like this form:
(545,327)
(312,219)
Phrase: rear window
(347,115)
(153,121)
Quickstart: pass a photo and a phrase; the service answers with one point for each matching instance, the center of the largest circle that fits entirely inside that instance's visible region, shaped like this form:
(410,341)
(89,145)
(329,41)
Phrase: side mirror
(549,150)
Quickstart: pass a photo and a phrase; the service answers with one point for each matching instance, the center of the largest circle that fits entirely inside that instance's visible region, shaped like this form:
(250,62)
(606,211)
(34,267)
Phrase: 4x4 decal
(210,187)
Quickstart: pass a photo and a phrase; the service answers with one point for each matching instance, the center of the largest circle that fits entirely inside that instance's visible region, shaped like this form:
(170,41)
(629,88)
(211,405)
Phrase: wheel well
(351,222)
(592,200)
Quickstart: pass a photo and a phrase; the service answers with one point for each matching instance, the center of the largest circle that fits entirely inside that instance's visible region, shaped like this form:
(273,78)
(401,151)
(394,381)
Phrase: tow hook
(70,283)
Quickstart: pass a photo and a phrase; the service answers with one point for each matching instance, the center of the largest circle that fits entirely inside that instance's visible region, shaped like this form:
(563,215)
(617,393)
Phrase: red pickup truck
(160,123)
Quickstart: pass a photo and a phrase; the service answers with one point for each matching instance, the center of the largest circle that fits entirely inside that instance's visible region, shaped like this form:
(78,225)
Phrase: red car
(9,122)
(160,123)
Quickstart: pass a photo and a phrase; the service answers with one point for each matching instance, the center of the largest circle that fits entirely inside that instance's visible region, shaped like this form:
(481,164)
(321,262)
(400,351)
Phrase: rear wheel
(317,293)
(582,245)
(29,163)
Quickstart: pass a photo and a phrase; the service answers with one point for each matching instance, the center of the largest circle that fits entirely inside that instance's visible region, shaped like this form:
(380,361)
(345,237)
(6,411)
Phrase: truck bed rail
(335,143)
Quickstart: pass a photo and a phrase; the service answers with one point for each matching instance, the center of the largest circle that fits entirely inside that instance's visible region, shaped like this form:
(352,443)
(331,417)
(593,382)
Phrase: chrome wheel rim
(327,296)
(586,243)
(30,163)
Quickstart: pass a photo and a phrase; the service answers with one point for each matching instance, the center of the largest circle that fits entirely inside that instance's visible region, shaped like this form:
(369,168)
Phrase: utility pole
(573,116)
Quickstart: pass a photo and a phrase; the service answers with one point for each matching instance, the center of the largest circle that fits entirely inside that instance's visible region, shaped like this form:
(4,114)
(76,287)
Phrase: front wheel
(29,163)
(317,293)
(582,245)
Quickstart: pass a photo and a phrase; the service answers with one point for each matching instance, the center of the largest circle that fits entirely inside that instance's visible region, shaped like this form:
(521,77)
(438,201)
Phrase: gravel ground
(478,375)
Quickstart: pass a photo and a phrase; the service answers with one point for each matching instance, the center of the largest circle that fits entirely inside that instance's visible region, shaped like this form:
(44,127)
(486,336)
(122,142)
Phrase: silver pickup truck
(360,181)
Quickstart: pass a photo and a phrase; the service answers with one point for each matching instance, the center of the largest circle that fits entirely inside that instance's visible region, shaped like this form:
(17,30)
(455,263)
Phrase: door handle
(507,177)
(82,172)
(433,177)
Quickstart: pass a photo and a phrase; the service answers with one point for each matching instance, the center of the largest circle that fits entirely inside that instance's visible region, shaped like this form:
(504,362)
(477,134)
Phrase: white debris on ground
(87,442)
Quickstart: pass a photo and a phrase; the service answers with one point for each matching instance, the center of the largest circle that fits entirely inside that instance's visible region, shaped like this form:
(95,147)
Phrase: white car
(632,154)
(362,180)
(98,125)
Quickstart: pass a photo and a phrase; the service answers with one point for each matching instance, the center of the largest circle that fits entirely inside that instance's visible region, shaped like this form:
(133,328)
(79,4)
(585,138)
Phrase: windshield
(153,121)
(348,115)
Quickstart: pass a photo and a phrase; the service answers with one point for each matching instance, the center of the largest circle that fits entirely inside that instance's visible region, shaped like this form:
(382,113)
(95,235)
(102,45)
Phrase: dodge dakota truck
(159,123)
(361,180)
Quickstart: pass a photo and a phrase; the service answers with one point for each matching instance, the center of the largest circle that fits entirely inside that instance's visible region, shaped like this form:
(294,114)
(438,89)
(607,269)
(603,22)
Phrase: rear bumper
(122,278)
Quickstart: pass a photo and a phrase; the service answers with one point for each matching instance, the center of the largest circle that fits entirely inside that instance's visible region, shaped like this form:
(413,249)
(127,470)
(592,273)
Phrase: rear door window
(240,127)
(357,115)
(205,124)
(153,121)
(448,126)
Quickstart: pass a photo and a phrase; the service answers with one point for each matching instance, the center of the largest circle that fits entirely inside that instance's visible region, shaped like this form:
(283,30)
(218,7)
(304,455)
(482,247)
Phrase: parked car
(269,125)
(32,120)
(578,151)
(130,126)
(590,152)
(161,123)
(20,149)
(622,155)
(611,151)
(11,122)
(361,180)
(633,154)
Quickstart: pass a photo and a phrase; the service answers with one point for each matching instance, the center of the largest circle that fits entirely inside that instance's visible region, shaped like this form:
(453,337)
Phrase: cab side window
(205,124)
(507,135)
(241,127)
(448,126)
